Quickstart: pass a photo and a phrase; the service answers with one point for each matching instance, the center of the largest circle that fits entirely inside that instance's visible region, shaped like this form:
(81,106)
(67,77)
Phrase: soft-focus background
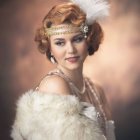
(115,66)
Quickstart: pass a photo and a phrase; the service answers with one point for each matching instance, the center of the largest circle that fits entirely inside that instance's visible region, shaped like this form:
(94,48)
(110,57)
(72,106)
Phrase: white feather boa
(53,117)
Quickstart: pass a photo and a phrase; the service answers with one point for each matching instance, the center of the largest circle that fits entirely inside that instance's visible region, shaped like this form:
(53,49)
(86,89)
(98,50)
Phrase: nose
(71,48)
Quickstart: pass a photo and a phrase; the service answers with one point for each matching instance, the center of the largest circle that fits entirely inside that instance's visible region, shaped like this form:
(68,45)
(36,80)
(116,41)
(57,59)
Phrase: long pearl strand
(98,113)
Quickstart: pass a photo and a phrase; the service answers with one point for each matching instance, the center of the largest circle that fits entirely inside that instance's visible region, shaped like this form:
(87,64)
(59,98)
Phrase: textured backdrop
(115,65)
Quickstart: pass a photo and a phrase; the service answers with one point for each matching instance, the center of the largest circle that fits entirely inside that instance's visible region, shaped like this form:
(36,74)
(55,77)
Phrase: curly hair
(67,13)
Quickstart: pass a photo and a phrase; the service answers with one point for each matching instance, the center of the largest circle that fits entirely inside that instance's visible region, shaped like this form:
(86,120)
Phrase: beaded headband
(66,29)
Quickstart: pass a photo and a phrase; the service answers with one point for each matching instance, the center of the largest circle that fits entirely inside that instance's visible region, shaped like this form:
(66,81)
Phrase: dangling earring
(52,58)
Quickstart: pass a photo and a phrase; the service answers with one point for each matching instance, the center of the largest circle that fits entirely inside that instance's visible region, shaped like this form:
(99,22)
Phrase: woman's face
(70,50)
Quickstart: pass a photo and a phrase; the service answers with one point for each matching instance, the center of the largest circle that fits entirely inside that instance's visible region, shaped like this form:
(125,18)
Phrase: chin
(74,67)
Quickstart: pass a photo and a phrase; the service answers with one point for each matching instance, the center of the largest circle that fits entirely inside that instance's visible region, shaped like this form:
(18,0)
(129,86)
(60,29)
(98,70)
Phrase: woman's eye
(79,39)
(59,43)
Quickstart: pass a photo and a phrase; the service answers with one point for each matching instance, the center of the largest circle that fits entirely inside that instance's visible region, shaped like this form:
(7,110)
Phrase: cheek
(57,54)
(84,48)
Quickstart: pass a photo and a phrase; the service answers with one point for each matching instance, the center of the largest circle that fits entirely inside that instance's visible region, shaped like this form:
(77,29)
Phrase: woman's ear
(90,49)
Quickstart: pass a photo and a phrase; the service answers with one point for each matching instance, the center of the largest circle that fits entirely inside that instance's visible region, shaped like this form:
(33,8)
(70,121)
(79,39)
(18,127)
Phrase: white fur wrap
(53,117)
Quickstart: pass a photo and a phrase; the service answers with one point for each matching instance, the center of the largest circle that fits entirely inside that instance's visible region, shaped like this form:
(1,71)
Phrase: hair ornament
(94,9)
(84,29)
(66,29)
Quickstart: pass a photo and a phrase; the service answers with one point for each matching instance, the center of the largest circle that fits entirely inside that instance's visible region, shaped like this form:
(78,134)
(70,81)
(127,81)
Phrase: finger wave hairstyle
(72,14)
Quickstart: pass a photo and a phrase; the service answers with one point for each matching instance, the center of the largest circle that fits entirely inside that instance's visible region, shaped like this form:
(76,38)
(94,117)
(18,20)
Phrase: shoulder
(54,84)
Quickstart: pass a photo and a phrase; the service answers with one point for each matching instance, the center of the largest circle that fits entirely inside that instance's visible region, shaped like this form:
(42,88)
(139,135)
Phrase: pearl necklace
(77,89)
(73,84)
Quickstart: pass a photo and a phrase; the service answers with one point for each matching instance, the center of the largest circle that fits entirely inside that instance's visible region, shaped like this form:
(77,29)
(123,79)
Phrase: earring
(52,59)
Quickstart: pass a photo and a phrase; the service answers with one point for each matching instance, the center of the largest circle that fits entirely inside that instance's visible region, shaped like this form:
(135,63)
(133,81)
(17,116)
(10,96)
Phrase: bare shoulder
(55,85)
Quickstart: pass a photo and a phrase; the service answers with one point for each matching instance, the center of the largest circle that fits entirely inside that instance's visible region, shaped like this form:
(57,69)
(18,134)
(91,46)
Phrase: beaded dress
(93,106)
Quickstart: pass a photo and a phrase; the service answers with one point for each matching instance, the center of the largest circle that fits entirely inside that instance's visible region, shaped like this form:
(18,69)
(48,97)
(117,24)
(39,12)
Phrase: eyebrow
(61,39)
(80,34)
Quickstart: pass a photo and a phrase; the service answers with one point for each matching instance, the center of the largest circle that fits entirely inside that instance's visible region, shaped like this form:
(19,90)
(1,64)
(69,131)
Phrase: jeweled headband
(94,10)
(66,29)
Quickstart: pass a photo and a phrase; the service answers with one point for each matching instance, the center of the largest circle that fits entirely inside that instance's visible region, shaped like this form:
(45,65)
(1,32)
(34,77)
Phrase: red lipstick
(72,59)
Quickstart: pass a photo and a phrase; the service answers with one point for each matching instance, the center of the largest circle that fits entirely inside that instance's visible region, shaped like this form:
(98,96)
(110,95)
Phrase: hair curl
(67,13)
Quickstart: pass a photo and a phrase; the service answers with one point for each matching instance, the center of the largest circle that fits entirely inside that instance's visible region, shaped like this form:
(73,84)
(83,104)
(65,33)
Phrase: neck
(76,76)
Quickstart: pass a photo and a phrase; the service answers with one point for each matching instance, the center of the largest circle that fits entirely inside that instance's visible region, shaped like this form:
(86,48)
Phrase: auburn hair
(67,13)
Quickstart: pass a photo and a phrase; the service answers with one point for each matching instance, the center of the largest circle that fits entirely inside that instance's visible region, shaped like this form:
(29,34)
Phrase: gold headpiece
(66,29)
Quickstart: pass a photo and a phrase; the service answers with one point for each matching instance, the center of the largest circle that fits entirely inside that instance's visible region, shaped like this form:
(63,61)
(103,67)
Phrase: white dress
(55,117)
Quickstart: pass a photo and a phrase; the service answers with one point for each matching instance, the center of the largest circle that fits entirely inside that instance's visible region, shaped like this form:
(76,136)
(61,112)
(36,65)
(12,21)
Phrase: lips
(72,59)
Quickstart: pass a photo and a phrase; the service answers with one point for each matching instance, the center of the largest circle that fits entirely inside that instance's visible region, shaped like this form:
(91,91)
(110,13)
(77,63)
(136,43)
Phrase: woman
(65,105)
